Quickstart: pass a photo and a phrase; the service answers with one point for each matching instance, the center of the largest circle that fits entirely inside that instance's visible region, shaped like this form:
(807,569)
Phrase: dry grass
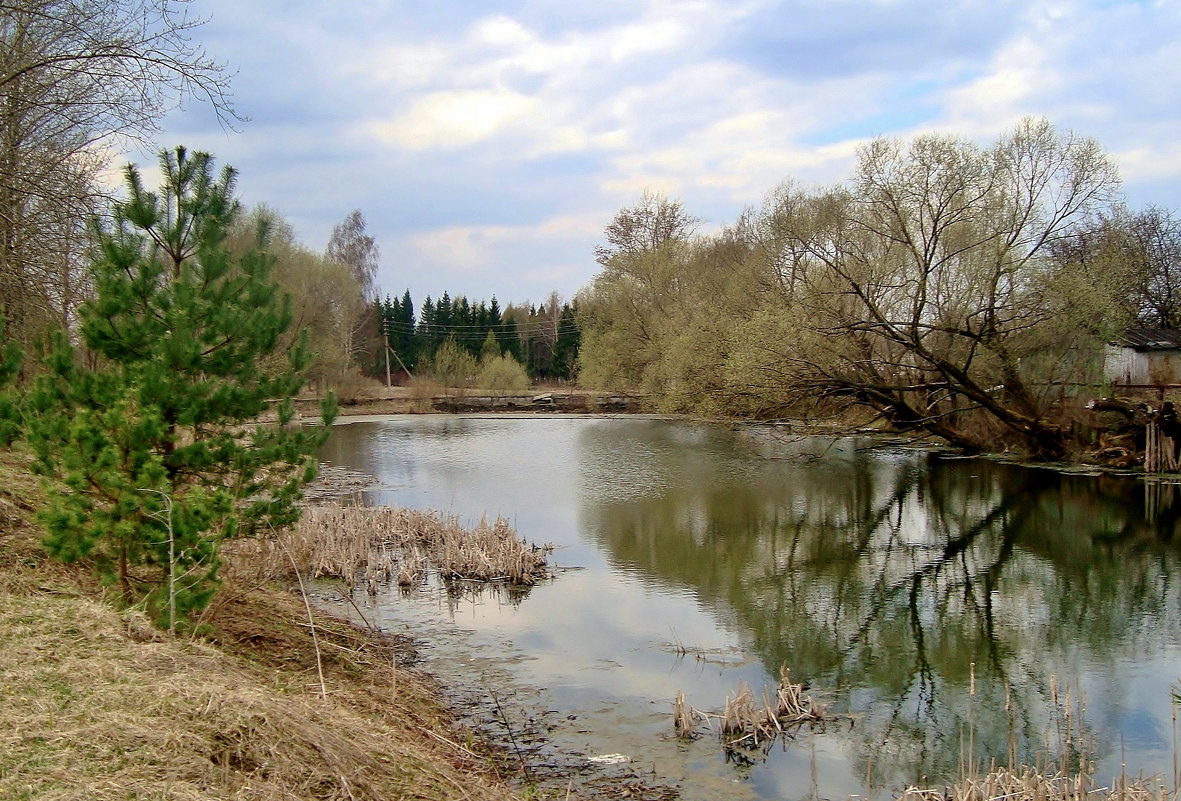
(750,722)
(367,545)
(1029,784)
(96,704)
(1047,781)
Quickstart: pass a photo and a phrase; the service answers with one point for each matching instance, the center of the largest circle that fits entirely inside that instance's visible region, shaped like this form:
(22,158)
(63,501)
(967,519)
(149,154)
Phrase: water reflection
(898,579)
(895,576)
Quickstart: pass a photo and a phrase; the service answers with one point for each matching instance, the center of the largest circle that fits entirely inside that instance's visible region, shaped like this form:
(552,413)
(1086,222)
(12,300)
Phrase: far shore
(409,400)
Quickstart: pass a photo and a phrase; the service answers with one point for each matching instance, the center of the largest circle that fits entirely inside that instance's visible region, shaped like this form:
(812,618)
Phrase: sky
(489,143)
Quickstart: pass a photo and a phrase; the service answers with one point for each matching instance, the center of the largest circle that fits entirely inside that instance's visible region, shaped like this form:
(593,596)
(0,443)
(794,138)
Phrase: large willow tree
(927,289)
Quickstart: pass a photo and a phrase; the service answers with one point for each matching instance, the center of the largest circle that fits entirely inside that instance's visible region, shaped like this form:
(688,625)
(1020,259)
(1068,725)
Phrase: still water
(939,606)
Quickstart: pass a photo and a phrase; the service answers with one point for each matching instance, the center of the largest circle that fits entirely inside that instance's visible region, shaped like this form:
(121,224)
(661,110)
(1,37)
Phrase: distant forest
(544,339)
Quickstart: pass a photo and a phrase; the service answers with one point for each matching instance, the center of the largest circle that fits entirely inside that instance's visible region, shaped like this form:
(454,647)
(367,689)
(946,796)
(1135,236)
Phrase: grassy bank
(96,704)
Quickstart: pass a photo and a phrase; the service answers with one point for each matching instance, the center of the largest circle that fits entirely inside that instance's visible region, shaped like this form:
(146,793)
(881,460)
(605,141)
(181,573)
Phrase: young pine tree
(10,363)
(156,448)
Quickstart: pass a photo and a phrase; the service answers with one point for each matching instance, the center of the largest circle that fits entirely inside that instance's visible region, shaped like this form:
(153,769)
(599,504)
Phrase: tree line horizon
(544,339)
(945,286)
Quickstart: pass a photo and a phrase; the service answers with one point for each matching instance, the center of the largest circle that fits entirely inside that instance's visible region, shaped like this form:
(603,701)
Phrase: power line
(419,328)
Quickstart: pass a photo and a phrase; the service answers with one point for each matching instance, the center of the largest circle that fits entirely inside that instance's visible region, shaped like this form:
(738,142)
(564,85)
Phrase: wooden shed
(1146,357)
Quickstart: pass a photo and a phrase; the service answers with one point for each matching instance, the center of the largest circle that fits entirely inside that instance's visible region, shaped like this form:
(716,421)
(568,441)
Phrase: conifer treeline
(544,338)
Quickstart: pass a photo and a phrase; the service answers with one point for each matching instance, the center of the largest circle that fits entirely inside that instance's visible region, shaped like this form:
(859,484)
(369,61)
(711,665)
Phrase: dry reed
(1031,784)
(749,721)
(369,545)
(684,718)
(1069,776)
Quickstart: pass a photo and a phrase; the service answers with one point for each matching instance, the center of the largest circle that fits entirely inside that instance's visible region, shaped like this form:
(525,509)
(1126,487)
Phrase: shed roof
(1143,339)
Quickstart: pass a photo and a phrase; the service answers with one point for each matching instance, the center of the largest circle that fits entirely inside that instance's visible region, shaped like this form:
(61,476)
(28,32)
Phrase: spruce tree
(569,340)
(407,346)
(173,430)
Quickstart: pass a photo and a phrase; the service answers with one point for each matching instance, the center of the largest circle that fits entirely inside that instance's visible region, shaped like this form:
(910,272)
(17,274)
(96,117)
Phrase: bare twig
(311,622)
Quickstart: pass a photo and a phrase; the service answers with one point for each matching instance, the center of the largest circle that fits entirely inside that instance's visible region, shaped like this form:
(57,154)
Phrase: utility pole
(385,339)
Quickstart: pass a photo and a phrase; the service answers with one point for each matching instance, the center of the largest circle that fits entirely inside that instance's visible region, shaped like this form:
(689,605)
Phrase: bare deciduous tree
(353,248)
(926,288)
(630,301)
(1143,251)
(646,227)
(317,288)
(77,77)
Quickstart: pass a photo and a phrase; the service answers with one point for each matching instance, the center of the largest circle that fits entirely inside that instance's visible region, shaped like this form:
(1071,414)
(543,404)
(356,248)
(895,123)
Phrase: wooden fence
(1160,450)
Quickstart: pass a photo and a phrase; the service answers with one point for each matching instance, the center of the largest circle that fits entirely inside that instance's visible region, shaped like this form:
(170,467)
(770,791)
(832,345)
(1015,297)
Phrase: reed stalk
(1063,772)
(683,718)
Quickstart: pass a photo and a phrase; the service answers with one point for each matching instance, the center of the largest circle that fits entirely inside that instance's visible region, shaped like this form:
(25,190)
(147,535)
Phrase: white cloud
(457,119)
(514,262)
(501,31)
(645,38)
(499,81)
(1102,70)
(401,66)
(1150,162)
(436,121)
(745,134)
(473,248)
(1010,86)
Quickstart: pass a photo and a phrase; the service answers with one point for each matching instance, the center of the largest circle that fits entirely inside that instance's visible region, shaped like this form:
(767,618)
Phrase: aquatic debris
(749,722)
(609,759)
(367,545)
(333,482)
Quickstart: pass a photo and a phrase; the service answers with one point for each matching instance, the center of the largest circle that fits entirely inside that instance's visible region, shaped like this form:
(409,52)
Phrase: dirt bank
(96,704)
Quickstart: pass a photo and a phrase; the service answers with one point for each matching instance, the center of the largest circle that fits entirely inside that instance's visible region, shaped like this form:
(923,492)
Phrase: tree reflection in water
(893,576)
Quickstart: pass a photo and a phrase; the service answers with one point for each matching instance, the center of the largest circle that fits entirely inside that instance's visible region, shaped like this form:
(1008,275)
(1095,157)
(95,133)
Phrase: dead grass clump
(747,721)
(365,545)
(1031,784)
(684,718)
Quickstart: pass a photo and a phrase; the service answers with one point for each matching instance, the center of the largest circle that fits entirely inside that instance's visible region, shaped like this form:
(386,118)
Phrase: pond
(941,607)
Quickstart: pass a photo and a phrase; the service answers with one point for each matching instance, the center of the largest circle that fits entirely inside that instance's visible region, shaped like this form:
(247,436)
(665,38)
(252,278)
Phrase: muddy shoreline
(500,712)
